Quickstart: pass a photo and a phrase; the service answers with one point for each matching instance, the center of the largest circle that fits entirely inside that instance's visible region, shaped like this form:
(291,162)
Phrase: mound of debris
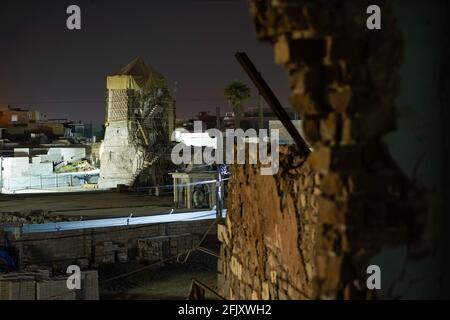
(77,166)
(35,216)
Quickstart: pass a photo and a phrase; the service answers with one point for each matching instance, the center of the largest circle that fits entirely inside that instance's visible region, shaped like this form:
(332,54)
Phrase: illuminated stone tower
(139,121)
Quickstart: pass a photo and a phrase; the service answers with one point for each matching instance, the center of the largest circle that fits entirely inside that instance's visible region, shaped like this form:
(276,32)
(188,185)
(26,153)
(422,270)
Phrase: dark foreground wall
(375,188)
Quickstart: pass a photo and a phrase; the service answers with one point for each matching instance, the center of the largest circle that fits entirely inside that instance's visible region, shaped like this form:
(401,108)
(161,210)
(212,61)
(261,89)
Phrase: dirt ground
(167,283)
(170,282)
(93,204)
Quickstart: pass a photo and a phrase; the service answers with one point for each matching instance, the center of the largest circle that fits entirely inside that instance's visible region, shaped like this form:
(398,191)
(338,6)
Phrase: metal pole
(218,118)
(261,112)
(272,100)
(219,200)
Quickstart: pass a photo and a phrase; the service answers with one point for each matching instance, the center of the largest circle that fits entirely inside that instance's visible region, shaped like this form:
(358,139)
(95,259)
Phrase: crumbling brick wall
(268,241)
(344,80)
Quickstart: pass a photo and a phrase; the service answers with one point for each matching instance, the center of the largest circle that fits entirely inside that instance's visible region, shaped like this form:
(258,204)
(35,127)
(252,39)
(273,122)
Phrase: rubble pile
(32,217)
(76,166)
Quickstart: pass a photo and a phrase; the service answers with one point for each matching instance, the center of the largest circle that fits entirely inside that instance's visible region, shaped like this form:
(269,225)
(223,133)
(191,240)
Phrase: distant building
(76,130)
(16,117)
(20,124)
(228,120)
(251,119)
(210,121)
(252,116)
(283,134)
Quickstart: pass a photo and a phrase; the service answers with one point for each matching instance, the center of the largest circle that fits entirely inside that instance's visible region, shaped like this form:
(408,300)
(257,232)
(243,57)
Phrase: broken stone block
(333,184)
(331,212)
(305,103)
(337,158)
(328,128)
(311,128)
(339,97)
(329,267)
(299,50)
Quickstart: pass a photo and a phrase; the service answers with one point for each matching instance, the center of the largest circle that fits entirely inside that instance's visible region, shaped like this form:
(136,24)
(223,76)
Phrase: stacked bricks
(92,247)
(12,288)
(110,252)
(55,289)
(37,284)
(105,252)
(344,82)
(153,249)
(89,286)
(163,247)
(22,286)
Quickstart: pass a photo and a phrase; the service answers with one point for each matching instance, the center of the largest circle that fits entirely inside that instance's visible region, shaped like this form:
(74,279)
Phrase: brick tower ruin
(139,121)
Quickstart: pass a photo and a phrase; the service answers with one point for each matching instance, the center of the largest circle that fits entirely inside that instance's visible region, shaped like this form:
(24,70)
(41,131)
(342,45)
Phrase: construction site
(359,180)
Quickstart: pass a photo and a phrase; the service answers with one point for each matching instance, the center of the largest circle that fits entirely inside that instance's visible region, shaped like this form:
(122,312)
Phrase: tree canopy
(236,93)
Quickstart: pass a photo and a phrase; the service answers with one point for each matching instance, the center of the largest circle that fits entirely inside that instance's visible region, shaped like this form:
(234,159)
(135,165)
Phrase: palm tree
(236,93)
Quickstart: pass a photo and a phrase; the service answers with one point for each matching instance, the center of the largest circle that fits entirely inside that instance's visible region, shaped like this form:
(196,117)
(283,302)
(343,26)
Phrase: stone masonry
(309,231)
(268,241)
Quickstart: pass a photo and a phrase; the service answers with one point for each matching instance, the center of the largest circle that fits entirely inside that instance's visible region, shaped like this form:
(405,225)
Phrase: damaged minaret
(139,121)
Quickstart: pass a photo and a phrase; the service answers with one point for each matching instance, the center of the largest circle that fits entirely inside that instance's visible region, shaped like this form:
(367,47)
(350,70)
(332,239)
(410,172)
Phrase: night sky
(62,73)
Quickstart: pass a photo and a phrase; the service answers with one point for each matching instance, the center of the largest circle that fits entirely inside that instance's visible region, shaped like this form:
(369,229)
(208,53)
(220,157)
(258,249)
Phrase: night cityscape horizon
(62,73)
